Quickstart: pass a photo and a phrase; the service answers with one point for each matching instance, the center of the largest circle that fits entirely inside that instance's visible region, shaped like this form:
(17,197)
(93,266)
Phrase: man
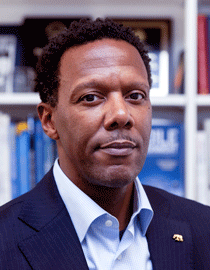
(90,211)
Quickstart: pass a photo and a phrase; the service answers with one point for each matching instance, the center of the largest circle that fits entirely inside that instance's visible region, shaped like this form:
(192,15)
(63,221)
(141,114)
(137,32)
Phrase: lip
(118,147)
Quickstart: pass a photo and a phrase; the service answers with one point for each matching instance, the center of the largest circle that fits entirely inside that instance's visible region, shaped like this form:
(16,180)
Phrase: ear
(46,112)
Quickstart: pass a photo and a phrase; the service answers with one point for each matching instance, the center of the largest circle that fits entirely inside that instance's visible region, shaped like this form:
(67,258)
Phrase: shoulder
(175,214)
(178,207)
(11,210)
(32,206)
(12,229)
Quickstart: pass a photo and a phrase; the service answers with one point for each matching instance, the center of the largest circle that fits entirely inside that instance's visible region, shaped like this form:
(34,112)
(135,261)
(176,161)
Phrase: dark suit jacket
(36,232)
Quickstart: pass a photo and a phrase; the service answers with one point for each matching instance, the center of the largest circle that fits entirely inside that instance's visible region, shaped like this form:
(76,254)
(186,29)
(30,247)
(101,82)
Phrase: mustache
(117,137)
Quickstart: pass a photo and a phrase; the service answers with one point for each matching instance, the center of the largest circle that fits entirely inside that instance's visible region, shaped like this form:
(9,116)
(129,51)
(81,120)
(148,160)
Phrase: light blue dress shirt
(98,231)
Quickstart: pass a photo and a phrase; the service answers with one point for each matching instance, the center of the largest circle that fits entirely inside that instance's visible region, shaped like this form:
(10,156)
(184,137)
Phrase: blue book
(23,148)
(164,165)
(15,183)
(48,153)
(31,130)
(39,150)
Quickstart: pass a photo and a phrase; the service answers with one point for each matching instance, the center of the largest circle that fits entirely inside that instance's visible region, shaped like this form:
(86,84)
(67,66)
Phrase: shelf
(19,99)
(172,100)
(203,100)
(88,2)
(33,99)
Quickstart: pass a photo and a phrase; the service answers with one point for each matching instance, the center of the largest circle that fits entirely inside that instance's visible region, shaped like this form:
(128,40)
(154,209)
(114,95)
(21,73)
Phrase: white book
(202,184)
(207,129)
(160,73)
(7,62)
(5,183)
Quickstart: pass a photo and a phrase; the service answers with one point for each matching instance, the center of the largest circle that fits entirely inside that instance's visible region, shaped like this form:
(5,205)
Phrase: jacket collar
(55,245)
(166,252)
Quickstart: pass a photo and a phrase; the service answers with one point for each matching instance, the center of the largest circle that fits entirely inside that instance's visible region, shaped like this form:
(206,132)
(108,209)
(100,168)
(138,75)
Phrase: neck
(116,201)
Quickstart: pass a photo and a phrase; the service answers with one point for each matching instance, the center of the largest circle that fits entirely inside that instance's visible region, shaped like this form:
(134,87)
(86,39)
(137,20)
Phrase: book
(24,79)
(49,152)
(203,81)
(45,151)
(164,165)
(208,49)
(5,184)
(23,150)
(7,62)
(155,34)
(39,150)
(179,76)
(207,130)
(32,154)
(202,185)
(15,183)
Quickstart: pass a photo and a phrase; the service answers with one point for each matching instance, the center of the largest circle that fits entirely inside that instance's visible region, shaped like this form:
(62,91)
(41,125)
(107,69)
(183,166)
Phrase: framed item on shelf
(36,32)
(156,36)
(7,62)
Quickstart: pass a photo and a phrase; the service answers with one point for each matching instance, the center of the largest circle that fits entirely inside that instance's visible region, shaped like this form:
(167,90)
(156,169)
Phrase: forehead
(106,56)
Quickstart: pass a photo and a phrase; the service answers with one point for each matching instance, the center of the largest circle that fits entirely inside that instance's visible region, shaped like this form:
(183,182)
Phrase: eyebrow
(97,84)
(90,84)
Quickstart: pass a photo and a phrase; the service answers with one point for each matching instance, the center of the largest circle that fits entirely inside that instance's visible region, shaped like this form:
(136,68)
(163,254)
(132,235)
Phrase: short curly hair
(82,32)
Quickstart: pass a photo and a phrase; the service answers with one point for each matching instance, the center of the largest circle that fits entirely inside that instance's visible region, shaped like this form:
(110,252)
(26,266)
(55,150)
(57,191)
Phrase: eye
(89,98)
(135,96)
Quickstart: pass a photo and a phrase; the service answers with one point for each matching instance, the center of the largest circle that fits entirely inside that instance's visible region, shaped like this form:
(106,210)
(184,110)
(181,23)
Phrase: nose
(117,113)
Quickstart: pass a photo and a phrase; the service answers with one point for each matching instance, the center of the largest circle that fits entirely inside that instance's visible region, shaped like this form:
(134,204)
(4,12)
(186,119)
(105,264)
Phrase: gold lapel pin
(178,238)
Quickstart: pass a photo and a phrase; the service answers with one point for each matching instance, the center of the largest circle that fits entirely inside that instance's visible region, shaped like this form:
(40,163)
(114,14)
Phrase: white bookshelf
(184,36)
(19,99)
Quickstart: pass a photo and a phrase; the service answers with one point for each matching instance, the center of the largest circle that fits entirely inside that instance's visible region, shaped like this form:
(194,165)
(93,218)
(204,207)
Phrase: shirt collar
(83,210)
(142,207)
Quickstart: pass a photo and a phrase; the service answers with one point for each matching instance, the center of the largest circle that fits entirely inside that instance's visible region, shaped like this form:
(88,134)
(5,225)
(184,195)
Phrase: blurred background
(176,33)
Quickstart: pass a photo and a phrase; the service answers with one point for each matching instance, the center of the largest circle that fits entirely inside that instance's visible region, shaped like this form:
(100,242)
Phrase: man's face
(103,115)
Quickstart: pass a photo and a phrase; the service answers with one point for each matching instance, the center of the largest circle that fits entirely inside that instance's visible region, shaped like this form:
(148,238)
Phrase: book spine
(179,76)
(207,130)
(39,151)
(208,46)
(203,84)
(5,184)
(32,160)
(23,157)
(202,167)
(48,153)
(15,185)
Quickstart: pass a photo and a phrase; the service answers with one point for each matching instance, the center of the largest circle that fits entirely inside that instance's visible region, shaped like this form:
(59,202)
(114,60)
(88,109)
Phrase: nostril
(128,124)
(114,125)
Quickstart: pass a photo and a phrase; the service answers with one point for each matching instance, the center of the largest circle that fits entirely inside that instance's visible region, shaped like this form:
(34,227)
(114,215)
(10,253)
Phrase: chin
(114,178)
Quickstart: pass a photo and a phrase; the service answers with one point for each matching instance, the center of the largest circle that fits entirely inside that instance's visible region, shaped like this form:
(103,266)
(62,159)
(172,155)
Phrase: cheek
(143,119)
(144,128)
(76,127)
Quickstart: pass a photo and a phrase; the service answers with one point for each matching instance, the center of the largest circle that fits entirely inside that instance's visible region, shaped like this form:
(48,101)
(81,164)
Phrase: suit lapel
(54,244)
(165,252)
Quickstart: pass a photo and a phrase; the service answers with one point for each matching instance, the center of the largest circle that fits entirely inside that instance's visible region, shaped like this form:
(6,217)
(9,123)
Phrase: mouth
(118,147)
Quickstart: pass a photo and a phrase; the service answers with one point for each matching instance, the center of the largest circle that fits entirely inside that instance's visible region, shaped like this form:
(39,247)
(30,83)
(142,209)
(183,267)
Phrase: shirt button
(108,223)
(119,257)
